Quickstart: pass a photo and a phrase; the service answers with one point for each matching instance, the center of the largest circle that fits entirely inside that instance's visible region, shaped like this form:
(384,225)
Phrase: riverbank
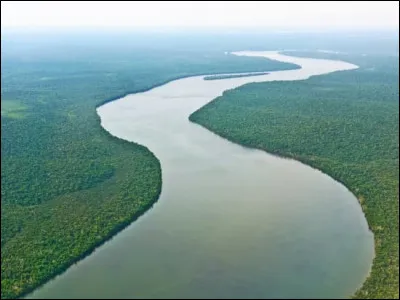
(326,122)
(218,202)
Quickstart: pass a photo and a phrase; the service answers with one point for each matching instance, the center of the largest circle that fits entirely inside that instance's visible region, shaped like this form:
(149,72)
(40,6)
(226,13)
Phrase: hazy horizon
(188,15)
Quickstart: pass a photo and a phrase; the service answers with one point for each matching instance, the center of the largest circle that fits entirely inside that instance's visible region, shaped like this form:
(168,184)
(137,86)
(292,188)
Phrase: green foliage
(345,124)
(215,77)
(66,184)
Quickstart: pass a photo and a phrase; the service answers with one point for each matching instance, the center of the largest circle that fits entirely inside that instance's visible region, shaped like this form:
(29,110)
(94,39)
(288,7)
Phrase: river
(231,222)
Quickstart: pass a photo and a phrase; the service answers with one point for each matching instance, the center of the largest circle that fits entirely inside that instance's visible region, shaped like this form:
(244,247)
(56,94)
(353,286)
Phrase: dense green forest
(345,124)
(66,184)
(216,77)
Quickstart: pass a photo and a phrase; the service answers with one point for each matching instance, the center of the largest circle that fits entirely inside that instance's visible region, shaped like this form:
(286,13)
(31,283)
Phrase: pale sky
(288,14)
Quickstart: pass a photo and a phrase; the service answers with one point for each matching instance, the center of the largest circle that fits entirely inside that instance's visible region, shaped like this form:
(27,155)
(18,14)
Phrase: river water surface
(230,222)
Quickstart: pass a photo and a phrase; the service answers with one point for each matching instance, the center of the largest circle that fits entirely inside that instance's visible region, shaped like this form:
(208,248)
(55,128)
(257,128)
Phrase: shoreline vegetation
(344,124)
(110,235)
(227,76)
(74,186)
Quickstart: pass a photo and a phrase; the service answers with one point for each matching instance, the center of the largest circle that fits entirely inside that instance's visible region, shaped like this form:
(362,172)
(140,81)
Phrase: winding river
(231,222)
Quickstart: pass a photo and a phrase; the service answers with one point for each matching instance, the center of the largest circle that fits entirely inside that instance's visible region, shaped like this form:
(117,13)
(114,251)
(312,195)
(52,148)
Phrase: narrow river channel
(231,222)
